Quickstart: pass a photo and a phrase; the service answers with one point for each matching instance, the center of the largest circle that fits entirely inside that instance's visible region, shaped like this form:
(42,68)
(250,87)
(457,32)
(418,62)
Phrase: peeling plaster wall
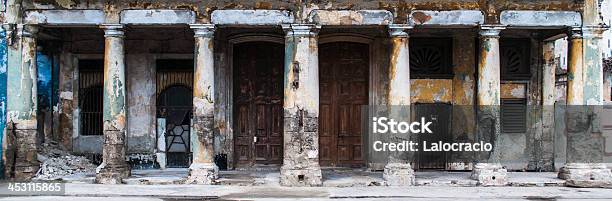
(513,90)
(45,94)
(143,47)
(464,83)
(141,101)
(141,124)
(2,98)
(431,90)
(301,10)
(458,91)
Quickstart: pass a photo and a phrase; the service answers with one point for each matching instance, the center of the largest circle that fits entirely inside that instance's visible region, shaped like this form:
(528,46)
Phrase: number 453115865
(34,187)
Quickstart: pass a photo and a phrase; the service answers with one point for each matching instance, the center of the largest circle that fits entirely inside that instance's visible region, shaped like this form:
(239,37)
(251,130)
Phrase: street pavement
(207,192)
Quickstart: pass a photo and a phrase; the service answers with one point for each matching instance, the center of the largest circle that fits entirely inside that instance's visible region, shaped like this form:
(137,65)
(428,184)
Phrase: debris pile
(56,163)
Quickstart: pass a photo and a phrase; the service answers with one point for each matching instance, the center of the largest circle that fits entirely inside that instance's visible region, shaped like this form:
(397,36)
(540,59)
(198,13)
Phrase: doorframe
(228,76)
(154,63)
(373,79)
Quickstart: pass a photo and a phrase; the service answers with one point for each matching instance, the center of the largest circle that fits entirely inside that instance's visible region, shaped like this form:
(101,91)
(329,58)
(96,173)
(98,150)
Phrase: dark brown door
(343,93)
(258,103)
(439,114)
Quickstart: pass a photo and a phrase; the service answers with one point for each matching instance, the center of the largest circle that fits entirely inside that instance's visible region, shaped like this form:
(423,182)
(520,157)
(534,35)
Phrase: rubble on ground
(56,163)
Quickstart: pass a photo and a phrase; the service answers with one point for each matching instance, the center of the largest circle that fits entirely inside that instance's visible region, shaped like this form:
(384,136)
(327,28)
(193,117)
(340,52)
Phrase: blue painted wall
(2,94)
(45,85)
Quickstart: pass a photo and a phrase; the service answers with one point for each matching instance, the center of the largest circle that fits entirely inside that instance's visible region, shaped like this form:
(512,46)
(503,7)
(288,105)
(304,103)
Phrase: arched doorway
(174,111)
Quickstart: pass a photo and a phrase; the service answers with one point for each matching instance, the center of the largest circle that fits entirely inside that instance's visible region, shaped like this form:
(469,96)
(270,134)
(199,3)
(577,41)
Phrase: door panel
(439,115)
(343,92)
(258,93)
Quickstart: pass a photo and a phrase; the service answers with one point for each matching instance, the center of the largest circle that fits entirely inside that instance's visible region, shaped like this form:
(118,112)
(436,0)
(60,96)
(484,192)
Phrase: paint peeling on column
(399,70)
(575,69)
(301,107)
(114,168)
(203,169)
(593,65)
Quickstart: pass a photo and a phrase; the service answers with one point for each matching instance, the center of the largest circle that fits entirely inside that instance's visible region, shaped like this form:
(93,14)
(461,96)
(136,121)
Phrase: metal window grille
(91,79)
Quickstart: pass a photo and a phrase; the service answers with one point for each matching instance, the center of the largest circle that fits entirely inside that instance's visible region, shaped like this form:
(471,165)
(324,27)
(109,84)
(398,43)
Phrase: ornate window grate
(431,57)
(515,59)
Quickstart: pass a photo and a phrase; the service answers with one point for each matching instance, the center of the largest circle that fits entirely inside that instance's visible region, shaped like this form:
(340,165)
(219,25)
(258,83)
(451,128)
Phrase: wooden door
(258,103)
(439,114)
(343,93)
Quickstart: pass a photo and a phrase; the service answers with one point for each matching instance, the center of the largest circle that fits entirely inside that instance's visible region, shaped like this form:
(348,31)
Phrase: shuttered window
(513,115)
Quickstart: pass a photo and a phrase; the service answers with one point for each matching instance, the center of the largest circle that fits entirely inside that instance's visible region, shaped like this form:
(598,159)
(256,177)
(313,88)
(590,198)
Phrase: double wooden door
(343,72)
(258,103)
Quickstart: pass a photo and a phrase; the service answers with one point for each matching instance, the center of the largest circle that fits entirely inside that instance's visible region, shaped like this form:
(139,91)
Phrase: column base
(399,174)
(310,176)
(112,174)
(26,160)
(25,172)
(587,175)
(203,173)
(490,174)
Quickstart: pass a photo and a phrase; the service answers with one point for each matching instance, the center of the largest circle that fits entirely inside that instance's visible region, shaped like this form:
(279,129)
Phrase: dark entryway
(439,114)
(174,106)
(258,103)
(91,80)
(343,75)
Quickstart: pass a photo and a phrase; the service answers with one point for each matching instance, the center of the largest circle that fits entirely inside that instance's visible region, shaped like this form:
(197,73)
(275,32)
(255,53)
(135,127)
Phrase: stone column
(22,100)
(301,107)
(575,80)
(203,170)
(398,171)
(114,167)
(585,166)
(548,105)
(488,171)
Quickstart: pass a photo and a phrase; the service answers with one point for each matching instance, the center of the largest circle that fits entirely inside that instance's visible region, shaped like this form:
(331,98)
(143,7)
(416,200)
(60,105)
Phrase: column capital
(594,31)
(8,27)
(301,30)
(27,30)
(490,30)
(203,30)
(574,32)
(113,30)
(399,30)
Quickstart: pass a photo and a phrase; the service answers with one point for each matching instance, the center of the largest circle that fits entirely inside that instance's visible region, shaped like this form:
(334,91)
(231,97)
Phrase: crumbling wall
(3,137)
(301,9)
(141,101)
(464,83)
(143,47)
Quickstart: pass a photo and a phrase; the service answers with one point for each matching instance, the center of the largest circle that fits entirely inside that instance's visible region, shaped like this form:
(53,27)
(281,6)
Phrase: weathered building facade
(215,85)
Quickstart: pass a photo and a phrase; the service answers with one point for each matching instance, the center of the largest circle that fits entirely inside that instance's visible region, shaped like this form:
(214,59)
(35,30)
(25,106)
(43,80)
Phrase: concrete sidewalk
(216,192)
(331,178)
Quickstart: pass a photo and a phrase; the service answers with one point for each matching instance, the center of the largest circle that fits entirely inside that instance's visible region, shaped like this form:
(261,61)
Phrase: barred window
(91,79)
